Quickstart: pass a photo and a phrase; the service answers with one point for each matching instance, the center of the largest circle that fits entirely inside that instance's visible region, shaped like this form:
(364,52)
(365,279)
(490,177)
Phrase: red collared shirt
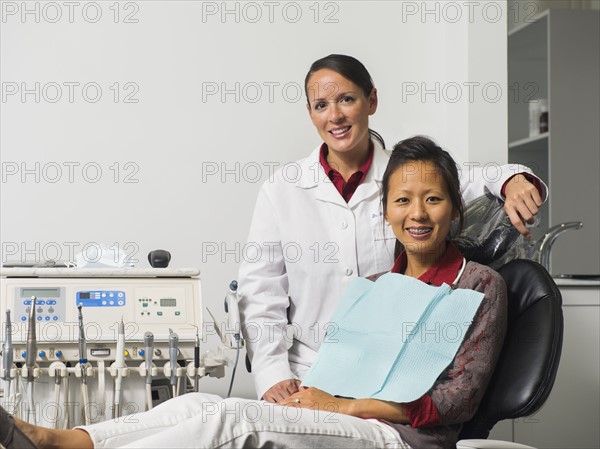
(423,412)
(532,179)
(346,188)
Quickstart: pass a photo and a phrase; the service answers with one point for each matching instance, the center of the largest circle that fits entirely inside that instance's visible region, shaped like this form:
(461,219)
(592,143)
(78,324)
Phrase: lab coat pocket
(384,241)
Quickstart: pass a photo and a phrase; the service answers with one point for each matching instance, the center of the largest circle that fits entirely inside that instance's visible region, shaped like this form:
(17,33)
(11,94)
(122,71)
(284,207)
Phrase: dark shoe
(10,436)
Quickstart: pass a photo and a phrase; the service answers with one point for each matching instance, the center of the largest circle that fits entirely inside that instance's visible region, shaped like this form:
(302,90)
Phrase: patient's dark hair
(423,149)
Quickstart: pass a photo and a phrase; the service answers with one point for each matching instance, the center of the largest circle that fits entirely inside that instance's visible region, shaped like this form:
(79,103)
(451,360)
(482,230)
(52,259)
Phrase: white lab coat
(304,247)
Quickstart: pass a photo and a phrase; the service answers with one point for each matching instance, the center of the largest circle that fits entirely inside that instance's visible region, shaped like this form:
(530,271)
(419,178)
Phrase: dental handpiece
(197,361)
(31,342)
(120,355)
(149,344)
(82,344)
(7,349)
(173,343)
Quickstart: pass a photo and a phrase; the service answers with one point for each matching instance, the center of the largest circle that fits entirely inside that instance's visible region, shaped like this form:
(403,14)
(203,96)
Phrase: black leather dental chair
(526,370)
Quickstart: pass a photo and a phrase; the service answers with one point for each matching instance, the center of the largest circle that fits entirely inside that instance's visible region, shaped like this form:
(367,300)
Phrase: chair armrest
(490,444)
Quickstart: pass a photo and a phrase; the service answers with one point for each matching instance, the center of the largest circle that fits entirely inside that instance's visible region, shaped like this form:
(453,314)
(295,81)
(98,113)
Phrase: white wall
(164,140)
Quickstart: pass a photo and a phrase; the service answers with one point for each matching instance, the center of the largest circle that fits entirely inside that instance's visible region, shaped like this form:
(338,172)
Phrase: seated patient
(421,198)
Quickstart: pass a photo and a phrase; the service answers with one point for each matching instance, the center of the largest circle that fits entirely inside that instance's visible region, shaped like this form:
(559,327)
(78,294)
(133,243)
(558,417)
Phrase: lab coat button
(344,225)
(348,271)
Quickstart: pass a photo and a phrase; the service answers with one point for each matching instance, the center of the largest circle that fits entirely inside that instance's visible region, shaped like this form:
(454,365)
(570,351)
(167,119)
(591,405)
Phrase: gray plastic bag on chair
(488,237)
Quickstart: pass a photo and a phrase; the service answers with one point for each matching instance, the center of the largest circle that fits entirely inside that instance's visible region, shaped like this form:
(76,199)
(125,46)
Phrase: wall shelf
(555,56)
(535,141)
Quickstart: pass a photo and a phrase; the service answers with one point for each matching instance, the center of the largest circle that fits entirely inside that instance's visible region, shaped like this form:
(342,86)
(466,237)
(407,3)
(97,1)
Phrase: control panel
(154,304)
(49,304)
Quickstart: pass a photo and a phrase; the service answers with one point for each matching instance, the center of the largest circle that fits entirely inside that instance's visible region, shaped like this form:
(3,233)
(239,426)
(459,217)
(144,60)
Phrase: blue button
(40,302)
(51,302)
(42,354)
(47,318)
(23,318)
(27,302)
(58,353)
(23,354)
(55,318)
(39,318)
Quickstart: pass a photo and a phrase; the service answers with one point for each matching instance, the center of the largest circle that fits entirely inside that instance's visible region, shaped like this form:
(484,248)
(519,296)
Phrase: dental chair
(528,363)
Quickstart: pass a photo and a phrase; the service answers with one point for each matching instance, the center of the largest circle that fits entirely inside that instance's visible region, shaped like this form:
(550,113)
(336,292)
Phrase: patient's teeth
(419,231)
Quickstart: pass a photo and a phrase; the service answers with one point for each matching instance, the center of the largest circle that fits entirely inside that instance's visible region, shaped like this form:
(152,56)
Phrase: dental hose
(57,384)
(30,360)
(237,356)
(86,401)
(66,402)
(148,343)
(31,404)
(119,365)
(173,351)
(7,361)
(82,365)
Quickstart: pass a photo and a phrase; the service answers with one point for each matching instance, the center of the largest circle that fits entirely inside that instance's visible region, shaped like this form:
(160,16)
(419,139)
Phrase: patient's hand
(316,399)
(281,390)
(522,203)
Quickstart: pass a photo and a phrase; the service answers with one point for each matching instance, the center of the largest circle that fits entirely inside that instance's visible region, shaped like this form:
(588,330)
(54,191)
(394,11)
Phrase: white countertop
(576,282)
(99,272)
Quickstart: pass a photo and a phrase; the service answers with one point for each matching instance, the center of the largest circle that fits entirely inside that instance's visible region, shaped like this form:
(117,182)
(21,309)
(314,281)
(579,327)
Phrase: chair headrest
(488,237)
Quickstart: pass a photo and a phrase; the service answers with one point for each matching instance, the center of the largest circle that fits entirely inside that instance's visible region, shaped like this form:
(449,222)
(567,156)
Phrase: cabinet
(557,57)
(570,416)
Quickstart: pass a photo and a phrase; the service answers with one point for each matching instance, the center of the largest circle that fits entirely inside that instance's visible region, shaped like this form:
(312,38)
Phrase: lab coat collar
(312,175)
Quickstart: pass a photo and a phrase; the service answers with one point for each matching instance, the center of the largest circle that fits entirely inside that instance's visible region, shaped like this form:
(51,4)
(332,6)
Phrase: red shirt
(423,412)
(532,179)
(346,188)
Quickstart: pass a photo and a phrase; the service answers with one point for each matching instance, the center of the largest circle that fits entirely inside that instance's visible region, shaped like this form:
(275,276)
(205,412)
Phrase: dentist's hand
(281,390)
(522,203)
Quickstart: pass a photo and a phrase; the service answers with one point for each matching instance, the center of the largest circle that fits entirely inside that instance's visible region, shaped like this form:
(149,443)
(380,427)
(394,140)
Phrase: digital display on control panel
(40,292)
(168,302)
(101,298)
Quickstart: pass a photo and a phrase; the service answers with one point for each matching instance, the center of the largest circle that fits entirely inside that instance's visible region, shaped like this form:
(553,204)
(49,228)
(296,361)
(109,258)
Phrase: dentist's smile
(340,132)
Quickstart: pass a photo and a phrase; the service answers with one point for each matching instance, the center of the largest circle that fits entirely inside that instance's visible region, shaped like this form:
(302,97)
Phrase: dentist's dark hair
(351,69)
(423,149)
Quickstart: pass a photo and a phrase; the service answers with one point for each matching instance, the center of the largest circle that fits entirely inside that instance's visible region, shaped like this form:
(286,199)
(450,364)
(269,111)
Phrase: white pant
(200,420)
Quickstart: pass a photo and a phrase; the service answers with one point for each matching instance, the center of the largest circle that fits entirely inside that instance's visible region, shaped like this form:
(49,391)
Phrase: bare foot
(37,435)
(45,438)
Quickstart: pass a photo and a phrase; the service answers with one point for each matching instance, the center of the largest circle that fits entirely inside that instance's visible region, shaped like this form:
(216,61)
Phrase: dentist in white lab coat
(318,223)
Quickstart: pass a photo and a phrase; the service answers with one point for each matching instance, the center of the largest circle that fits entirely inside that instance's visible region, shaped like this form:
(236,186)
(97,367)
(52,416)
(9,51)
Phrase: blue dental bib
(392,338)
